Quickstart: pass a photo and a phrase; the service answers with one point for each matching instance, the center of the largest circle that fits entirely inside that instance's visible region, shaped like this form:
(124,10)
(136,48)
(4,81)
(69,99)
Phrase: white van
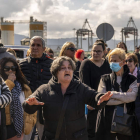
(20,50)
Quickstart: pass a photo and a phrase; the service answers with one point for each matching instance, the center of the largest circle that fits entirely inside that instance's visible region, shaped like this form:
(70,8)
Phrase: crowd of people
(47,94)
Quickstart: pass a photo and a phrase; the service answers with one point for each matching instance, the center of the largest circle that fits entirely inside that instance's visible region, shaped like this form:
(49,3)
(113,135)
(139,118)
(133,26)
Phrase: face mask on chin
(115,66)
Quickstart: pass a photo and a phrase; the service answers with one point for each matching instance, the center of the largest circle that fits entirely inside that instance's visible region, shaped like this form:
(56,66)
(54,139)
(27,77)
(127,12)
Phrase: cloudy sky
(64,15)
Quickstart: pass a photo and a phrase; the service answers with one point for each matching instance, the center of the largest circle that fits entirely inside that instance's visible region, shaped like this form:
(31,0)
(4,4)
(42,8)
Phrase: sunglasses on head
(7,68)
(72,49)
(129,60)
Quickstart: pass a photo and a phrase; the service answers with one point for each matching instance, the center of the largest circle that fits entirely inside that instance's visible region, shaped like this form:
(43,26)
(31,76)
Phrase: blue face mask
(115,66)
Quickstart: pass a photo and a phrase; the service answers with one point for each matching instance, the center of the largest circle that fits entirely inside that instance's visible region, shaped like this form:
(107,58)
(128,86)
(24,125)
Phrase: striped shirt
(5,95)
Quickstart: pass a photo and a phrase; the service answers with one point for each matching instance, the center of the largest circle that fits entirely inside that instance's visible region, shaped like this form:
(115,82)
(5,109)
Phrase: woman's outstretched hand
(34,101)
(105,97)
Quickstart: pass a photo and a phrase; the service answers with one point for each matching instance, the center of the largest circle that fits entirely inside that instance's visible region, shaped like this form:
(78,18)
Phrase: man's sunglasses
(129,60)
(7,68)
(71,49)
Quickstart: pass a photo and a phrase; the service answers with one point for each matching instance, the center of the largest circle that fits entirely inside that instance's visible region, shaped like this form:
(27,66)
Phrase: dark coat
(90,74)
(138,56)
(137,102)
(74,122)
(37,72)
(3,131)
(104,124)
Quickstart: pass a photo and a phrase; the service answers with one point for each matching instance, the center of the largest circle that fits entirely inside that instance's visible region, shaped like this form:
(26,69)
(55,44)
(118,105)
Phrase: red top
(78,53)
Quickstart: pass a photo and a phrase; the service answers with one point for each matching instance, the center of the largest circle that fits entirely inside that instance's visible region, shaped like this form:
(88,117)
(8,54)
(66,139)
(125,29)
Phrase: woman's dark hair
(19,75)
(124,46)
(100,42)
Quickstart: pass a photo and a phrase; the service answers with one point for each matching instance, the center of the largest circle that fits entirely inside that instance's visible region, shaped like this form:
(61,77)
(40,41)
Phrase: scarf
(134,72)
(16,109)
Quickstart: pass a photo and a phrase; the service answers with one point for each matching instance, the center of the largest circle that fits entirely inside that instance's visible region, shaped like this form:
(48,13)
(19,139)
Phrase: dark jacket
(90,74)
(5,98)
(137,102)
(104,124)
(138,56)
(37,72)
(138,76)
(74,122)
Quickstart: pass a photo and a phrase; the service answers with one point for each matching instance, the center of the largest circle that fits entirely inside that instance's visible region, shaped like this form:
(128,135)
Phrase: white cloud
(116,13)
(61,19)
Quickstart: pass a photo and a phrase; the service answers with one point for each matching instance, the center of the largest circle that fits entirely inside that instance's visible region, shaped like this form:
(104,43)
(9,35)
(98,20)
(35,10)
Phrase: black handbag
(121,122)
(11,132)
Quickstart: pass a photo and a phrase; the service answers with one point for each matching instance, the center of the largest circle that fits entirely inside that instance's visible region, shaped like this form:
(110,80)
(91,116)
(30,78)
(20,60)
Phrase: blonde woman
(123,86)
(69,49)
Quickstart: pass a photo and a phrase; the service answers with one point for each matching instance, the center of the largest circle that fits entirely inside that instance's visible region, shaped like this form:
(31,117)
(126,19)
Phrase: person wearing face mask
(124,88)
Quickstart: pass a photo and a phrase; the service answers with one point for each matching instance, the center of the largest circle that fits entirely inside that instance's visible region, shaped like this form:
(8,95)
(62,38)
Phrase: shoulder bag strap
(61,117)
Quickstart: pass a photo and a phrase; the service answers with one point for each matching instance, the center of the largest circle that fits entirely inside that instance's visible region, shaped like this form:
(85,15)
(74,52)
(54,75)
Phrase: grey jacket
(3,53)
(120,97)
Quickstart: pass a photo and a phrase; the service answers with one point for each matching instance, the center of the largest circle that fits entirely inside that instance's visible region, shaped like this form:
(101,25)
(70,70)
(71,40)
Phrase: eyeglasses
(98,51)
(7,68)
(71,49)
(129,60)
